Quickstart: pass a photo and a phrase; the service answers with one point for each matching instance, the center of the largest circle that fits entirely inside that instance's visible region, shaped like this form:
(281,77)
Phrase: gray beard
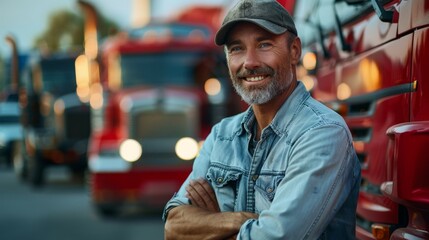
(259,95)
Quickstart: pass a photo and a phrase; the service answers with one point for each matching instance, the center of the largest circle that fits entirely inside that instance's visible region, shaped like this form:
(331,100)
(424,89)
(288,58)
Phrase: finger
(194,195)
(212,200)
(207,194)
(204,192)
(200,191)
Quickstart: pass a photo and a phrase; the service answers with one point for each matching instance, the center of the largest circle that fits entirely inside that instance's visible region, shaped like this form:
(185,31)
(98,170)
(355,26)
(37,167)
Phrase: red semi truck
(369,60)
(160,89)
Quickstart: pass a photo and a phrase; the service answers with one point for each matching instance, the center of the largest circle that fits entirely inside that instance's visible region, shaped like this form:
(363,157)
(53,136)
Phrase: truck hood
(170,95)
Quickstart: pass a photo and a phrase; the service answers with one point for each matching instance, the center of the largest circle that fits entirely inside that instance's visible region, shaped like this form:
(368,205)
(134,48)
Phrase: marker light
(187,148)
(343,91)
(59,107)
(309,61)
(130,150)
(212,86)
(380,231)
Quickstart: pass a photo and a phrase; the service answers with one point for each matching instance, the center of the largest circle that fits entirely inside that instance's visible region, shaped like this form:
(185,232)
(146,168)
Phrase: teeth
(254,79)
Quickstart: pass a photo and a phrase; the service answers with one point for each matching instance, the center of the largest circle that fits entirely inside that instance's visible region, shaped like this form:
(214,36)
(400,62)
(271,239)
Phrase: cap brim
(220,38)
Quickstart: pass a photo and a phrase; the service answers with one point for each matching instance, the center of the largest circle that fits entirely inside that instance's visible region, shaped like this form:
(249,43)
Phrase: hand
(202,195)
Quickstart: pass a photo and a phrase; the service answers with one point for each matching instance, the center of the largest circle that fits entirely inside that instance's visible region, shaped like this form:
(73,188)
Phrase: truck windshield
(159,69)
(9,112)
(58,76)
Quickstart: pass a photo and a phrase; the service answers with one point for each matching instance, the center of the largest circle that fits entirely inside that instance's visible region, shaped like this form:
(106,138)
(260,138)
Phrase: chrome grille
(159,125)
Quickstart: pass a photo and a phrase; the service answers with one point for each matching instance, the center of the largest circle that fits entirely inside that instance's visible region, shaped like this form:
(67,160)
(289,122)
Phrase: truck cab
(163,85)
(368,60)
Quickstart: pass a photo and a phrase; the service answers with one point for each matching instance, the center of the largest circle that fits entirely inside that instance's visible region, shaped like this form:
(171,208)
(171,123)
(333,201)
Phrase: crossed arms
(203,219)
(322,178)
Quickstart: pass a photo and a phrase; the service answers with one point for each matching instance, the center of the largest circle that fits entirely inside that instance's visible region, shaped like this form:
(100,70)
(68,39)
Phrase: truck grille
(77,122)
(158,129)
(163,124)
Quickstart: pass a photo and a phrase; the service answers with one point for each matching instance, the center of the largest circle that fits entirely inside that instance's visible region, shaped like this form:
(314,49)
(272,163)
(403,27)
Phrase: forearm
(190,222)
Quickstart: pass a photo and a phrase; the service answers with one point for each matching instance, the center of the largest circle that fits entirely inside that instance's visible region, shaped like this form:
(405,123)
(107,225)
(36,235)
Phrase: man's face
(259,63)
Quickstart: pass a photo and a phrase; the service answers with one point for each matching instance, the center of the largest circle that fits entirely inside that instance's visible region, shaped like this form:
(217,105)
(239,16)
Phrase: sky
(26,19)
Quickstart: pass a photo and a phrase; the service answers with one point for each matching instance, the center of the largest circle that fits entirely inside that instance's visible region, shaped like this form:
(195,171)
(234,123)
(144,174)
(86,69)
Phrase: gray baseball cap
(268,14)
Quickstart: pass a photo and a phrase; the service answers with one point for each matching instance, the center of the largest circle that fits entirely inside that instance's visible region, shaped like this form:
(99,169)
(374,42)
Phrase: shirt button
(269,190)
(255,177)
(219,180)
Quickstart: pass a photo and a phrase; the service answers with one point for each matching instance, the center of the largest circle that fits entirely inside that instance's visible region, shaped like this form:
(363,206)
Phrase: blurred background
(103,107)
(27,20)
(105,104)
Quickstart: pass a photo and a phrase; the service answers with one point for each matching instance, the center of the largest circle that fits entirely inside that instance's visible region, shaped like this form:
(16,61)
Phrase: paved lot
(62,210)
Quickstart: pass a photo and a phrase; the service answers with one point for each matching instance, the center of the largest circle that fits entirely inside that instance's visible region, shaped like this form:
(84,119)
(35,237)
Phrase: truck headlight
(130,150)
(187,148)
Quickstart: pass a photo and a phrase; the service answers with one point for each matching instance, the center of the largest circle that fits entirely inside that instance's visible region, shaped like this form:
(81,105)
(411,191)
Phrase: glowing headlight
(130,150)
(187,148)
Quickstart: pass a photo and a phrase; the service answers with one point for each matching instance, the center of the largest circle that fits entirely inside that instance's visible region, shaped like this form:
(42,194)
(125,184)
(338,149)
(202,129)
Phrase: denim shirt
(302,179)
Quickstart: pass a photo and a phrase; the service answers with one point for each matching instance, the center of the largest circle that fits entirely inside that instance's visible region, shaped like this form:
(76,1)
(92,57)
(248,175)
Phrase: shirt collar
(289,108)
(248,121)
(284,114)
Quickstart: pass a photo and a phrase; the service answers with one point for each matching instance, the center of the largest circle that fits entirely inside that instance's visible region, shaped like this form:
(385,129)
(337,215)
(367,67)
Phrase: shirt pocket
(224,183)
(265,190)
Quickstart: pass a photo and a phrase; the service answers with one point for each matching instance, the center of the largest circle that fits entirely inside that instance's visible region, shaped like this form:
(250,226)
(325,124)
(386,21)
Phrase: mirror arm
(383,15)
(344,45)
(326,54)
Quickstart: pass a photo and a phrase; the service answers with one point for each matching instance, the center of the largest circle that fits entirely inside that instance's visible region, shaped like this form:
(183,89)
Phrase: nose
(251,60)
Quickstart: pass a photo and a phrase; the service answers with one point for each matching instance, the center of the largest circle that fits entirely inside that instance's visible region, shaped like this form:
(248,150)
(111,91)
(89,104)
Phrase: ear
(295,51)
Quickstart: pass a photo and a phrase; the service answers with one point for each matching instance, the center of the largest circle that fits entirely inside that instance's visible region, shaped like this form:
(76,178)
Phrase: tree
(65,32)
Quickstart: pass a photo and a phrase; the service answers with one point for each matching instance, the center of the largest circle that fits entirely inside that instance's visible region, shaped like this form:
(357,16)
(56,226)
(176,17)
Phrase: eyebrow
(233,42)
(261,38)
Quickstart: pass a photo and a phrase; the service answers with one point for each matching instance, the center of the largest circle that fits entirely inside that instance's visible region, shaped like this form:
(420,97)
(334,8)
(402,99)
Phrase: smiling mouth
(254,78)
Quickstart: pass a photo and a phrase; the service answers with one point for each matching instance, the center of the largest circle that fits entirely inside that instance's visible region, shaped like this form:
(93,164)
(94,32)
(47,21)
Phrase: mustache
(258,71)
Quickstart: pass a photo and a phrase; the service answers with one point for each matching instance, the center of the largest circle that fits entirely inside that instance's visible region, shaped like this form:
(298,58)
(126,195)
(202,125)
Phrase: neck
(265,113)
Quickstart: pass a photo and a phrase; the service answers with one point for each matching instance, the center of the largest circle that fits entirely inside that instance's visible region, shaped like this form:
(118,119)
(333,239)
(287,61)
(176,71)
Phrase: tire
(36,170)
(77,174)
(78,170)
(8,155)
(106,211)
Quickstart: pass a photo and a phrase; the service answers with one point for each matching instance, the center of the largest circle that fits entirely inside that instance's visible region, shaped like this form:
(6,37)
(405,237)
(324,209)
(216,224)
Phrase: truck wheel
(19,163)
(36,170)
(106,211)
(8,155)
(77,175)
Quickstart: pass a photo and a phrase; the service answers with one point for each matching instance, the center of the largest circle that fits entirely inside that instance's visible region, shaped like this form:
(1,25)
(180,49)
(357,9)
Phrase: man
(284,169)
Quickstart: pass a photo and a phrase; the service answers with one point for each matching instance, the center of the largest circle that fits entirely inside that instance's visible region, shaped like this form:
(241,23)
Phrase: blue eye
(264,45)
(235,49)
